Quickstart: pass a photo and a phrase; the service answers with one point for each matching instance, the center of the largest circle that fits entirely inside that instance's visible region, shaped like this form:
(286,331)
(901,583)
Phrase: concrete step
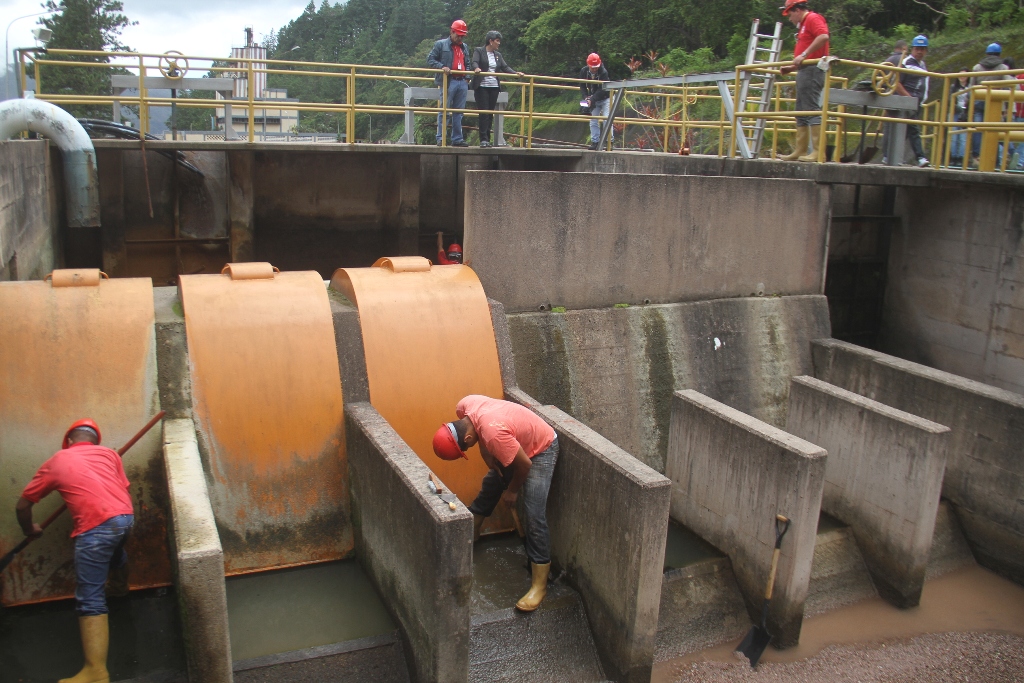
(701,606)
(377,658)
(838,573)
(552,644)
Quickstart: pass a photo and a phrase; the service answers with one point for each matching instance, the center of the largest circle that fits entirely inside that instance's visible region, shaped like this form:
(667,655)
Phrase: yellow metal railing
(673,112)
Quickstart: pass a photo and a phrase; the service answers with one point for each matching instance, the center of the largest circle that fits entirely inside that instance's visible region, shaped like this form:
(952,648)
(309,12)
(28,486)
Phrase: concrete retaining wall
(883,478)
(29,218)
(984,467)
(621,596)
(615,369)
(417,552)
(731,474)
(587,240)
(197,557)
(954,297)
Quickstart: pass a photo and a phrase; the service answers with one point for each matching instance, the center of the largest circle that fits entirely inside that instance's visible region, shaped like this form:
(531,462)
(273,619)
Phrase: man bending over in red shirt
(521,450)
(91,480)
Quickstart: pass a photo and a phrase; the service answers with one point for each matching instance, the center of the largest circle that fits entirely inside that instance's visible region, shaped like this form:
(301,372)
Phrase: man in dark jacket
(488,60)
(912,85)
(993,61)
(451,54)
(595,96)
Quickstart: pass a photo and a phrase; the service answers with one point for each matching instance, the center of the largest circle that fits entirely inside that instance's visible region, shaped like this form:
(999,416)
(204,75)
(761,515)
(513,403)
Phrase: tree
(83,25)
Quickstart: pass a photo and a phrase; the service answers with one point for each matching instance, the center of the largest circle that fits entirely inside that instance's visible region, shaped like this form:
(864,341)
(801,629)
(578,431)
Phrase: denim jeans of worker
(600,109)
(533,501)
(98,551)
(810,84)
(957,145)
(457,91)
(979,115)
(1017,148)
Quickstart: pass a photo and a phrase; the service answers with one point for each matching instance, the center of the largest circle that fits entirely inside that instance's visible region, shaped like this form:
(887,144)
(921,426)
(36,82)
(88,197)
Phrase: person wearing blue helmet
(993,61)
(912,85)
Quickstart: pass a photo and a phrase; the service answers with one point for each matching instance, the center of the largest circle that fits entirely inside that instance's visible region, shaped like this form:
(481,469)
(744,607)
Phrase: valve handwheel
(173,65)
(884,82)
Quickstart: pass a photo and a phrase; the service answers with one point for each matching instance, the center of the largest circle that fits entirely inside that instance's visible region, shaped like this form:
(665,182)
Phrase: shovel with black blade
(757,638)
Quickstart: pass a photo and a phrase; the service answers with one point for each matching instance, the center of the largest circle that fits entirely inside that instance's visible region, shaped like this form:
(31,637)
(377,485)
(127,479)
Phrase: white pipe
(81,177)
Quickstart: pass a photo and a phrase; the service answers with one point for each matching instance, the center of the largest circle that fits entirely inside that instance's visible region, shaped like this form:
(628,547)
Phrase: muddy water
(292,609)
(500,574)
(41,642)
(971,599)
(684,548)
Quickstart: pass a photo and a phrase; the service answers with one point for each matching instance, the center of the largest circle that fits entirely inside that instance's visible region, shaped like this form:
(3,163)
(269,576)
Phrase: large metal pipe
(81,177)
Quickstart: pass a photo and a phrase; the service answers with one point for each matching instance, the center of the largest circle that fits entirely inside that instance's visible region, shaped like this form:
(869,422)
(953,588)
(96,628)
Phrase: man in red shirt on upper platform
(91,480)
(453,255)
(521,450)
(811,43)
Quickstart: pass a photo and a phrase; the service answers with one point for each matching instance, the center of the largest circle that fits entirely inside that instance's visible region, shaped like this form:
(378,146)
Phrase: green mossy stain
(542,364)
(660,378)
(178,310)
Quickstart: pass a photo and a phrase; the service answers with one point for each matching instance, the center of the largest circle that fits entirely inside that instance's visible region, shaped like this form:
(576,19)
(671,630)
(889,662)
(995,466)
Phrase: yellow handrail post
(683,119)
(529,135)
(939,144)
(350,100)
(444,109)
(823,133)
(143,105)
(668,108)
(522,111)
(736,125)
(969,140)
(250,89)
(38,75)
(775,121)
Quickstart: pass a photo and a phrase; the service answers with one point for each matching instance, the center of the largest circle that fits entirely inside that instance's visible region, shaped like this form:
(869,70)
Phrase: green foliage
(192,118)
(83,25)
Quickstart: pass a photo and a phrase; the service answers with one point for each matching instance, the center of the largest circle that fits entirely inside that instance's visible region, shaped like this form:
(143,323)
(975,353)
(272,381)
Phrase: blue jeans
(97,552)
(599,109)
(957,145)
(533,500)
(979,115)
(457,90)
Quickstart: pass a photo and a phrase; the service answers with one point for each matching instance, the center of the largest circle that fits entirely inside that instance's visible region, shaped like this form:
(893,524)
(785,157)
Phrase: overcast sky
(199,27)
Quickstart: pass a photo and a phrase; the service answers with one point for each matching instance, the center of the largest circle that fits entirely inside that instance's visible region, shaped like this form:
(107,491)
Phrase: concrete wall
(615,369)
(883,478)
(731,474)
(29,219)
(584,240)
(417,552)
(197,557)
(954,295)
(984,468)
(608,515)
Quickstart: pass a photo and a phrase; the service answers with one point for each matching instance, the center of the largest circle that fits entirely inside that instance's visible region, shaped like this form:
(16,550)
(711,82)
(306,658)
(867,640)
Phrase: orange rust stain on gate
(74,347)
(428,341)
(268,405)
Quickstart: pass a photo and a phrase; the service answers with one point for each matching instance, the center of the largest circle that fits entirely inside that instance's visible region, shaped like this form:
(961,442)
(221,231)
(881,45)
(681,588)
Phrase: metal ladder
(756,89)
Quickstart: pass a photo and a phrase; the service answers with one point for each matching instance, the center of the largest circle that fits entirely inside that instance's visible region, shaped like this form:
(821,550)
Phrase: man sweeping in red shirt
(91,480)
(521,450)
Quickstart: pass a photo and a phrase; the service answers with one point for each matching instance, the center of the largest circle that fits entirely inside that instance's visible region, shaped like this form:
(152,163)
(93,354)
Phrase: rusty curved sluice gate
(267,400)
(77,345)
(428,341)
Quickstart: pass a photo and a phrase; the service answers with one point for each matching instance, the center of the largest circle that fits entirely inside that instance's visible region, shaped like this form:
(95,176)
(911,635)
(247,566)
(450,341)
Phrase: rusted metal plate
(428,341)
(267,402)
(66,353)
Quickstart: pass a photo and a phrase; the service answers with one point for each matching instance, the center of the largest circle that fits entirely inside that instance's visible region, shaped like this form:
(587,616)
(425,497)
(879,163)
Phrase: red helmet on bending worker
(454,252)
(459,27)
(594,60)
(446,443)
(86,423)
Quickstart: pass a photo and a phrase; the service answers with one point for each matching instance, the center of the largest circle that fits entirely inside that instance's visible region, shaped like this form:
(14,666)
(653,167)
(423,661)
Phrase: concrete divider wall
(984,466)
(608,515)
(883,478)
(587,240)
(417,551)
(28,210)
(615,369)
(197,557)
(731,474)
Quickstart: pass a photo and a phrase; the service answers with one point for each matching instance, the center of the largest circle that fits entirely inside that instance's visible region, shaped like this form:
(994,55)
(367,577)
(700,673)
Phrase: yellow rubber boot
(478,521)
(800,146)
(538,590)
(815,134)
(95,642)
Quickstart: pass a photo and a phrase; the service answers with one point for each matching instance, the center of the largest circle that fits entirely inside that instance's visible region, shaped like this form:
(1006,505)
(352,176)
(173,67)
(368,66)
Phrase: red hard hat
(453,247)
(459,27)
(446,446)
(594,59)
(789,5)
(82,423)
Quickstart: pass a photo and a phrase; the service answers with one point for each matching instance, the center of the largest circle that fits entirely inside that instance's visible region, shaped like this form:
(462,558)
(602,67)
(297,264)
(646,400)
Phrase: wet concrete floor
(40,643)
(967,600)
(684,548)
(292,609)
(500,573)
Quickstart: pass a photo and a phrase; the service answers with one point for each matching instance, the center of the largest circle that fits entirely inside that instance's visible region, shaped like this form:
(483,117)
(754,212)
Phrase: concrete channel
(678,340)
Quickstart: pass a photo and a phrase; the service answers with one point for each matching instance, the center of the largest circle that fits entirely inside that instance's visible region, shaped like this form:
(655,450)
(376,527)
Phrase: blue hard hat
(920,41)
(994,49)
